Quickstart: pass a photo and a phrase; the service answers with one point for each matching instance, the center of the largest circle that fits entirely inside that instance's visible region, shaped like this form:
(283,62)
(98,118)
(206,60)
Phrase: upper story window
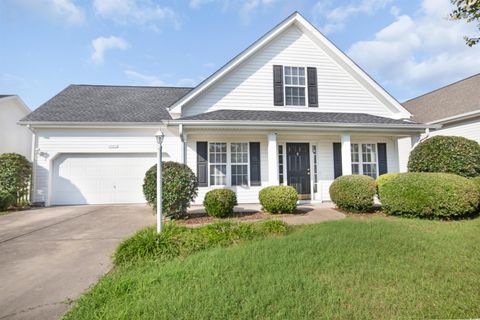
(294,86)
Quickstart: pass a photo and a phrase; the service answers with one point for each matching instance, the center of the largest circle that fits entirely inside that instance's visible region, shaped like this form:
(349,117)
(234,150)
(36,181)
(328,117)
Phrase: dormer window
(294,86)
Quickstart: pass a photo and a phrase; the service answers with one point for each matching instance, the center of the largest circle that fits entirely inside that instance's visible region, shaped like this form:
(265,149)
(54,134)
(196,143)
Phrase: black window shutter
(202,163)
(278,85)
(382,158)
(337,159)
(312,87)
(255,176)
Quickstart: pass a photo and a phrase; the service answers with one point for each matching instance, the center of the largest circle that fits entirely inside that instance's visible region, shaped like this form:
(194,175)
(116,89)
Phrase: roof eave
(290,124)
(62,124)
(458,117)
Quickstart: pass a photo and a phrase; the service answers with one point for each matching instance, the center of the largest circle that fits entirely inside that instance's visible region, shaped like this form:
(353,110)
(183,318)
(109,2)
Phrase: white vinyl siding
(249,86)
(53,143)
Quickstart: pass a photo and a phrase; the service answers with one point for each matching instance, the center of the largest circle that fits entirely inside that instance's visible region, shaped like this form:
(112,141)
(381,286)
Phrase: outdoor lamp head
(159,136)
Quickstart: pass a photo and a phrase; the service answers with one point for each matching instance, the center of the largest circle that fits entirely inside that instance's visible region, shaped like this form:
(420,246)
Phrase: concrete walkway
(313,213)
(50,256)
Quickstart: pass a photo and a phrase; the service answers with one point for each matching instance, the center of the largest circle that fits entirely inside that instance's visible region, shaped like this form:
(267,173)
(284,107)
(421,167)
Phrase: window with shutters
(364,159)
(239,160)
(217,155)
(280,164)
(295,86)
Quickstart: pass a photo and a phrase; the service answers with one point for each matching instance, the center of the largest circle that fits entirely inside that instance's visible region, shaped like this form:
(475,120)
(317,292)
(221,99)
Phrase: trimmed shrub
(175,241)
(220,202)
(15,175)
(430,195)
(278,199)
(179,186)
(455,155)
(6,200)
(384,178)
(353,193)
(476,180)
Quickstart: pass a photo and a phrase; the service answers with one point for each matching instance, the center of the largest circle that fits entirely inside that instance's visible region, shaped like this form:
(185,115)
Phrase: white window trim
(229,157)
(360,158)
(297,86)
(220,163)
(228,178)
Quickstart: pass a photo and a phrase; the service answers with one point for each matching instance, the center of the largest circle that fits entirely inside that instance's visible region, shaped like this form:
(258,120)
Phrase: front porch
(246,160)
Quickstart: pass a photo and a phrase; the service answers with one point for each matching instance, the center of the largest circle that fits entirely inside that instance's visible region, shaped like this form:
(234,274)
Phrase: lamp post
(159,137)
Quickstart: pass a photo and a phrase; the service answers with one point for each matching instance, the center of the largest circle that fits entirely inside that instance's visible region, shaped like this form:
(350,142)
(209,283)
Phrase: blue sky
(409,47)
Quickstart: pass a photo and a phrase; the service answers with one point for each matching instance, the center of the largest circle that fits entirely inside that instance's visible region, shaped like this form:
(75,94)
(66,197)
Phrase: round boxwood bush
(430,195)
(6,200)
(220,202)
(353,193)
(455,155)
(15,175)
(179,186)
(476,180)
(384,178)
(278,199)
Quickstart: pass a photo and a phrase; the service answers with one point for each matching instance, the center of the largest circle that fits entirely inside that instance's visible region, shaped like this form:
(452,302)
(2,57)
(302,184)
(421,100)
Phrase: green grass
(350,269)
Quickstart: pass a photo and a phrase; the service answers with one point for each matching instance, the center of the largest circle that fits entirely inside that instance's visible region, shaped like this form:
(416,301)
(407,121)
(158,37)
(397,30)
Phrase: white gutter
(292,124)
(457,117)
(62,124)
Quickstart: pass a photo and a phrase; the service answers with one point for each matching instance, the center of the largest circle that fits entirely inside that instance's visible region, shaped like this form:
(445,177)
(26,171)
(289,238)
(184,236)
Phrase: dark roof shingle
(455,99)
(293,116)
(98,103)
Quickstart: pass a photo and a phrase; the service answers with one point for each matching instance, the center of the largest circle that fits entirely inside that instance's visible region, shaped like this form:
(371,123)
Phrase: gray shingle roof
(455,99)
(5,95)
(293,116)
(94,103)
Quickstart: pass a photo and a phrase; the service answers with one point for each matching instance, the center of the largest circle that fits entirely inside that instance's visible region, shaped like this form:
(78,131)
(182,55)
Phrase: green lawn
(355,268)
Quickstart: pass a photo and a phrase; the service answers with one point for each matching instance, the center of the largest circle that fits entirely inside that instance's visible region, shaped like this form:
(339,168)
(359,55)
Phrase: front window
(294,86)
(239,156)
(364,159)
(217,153)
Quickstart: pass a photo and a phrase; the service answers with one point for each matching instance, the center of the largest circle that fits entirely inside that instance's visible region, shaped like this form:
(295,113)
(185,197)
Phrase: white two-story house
(291,109)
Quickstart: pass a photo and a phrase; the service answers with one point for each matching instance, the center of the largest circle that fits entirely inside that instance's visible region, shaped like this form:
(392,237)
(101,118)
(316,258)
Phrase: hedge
(220,202)
(353,193)
(278,199)
(455,155)
(6,200)
(15,175)
(179,186)
(430,195)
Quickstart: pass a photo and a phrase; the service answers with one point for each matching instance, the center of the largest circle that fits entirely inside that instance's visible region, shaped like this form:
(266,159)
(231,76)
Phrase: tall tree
(468,10)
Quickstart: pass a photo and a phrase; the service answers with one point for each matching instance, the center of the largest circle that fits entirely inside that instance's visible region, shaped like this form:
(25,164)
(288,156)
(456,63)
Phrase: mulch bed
(195,218)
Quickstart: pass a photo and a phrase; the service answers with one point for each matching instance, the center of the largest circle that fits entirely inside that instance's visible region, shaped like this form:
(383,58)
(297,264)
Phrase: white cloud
(140,12)
(335,18)
(421,51)
(195,4)
(245,8)
(58,9)
(102,44)
(155,81)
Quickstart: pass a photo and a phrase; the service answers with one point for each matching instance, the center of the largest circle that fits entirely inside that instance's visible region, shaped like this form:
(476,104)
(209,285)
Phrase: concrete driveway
(49,256)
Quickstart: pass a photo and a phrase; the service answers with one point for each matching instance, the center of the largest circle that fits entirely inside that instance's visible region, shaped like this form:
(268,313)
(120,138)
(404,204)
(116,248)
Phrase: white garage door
(100,178)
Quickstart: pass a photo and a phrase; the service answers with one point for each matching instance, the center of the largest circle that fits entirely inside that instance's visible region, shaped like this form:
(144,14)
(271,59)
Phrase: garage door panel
(100,178)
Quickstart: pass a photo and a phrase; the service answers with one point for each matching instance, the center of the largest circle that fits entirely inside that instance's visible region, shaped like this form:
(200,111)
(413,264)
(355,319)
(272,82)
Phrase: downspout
(34,163)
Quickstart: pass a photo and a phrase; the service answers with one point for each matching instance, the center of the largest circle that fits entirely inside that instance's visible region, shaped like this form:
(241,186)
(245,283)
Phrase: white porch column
(346,155)
(272,160)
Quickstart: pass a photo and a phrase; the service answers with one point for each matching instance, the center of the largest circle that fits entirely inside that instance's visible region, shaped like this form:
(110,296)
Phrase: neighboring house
(290,109)
(13,137)
(455,107)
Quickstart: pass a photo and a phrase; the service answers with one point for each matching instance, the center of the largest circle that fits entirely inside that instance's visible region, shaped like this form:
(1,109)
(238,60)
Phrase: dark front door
(298,168)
